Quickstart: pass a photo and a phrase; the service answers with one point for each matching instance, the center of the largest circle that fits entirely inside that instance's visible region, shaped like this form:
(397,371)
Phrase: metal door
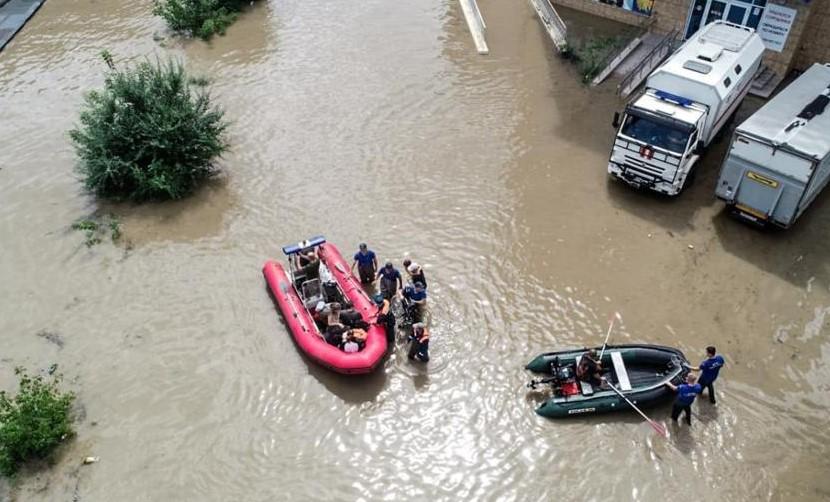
(737,14)
(715,11)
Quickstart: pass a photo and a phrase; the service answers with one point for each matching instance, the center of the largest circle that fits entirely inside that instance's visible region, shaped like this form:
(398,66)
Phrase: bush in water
(201,18)
(33,422)
(592,56)
(146,135)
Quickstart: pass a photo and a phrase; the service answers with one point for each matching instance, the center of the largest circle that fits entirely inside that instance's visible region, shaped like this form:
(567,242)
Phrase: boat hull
(667,362)
(303,328)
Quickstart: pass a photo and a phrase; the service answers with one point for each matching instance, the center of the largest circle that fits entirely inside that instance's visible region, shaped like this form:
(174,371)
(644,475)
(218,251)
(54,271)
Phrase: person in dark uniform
(709,370)
(385,317)
(367,264)
(390,280)
(686,393)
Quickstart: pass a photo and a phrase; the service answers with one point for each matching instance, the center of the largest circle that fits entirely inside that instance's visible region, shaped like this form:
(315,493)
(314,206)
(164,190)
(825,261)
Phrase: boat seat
(586,387)
(619,369)
(312,293)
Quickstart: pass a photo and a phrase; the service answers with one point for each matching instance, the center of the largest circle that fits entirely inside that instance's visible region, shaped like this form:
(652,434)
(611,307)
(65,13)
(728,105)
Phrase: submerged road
(376,121)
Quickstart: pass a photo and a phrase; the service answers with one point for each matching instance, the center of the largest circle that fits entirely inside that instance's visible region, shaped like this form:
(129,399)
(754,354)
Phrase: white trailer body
(779,159)
(686,102)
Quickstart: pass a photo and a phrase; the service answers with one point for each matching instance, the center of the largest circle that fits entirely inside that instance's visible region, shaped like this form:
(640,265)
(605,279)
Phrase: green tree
(33,422)
(147,134)
(201,18)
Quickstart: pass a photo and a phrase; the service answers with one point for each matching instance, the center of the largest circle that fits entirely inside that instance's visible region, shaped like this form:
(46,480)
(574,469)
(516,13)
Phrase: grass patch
(592,55)
(148,135)
(96,228)
(199,18)
(33,422)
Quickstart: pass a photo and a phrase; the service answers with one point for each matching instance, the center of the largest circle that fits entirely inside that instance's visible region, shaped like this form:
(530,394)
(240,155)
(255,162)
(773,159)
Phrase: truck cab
(687,100)
(657,141)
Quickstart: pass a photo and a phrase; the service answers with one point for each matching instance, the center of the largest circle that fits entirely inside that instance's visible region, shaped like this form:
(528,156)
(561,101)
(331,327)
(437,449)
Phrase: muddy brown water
(377,121)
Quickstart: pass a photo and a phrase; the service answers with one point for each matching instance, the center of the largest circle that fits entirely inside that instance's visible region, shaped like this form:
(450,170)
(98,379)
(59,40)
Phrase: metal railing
(660,52)
(556,28)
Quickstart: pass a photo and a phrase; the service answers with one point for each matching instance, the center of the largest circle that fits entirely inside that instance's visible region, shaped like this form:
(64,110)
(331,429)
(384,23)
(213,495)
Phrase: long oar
(607,335)
(656,426)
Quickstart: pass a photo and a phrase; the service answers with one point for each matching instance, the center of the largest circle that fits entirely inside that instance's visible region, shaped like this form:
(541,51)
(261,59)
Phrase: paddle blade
(659,428)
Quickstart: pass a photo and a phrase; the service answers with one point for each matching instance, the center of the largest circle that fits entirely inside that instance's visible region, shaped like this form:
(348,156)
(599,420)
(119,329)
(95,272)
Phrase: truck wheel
(690,180)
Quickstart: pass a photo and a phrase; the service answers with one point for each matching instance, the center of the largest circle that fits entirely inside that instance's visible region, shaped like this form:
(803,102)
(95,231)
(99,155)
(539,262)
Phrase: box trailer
(779,159)
(687,101)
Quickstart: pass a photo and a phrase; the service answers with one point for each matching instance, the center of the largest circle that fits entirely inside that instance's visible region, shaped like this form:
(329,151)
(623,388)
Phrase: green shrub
(147,135)
(201,18)
(592,55)
(33,422)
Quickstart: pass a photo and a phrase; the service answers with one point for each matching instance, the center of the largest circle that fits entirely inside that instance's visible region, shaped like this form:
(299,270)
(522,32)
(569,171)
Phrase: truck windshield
(656,133)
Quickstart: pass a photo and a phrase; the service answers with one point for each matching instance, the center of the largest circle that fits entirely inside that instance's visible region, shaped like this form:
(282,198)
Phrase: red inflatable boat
(297,295)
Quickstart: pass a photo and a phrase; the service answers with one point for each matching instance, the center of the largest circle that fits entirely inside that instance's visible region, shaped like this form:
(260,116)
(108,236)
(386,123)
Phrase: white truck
(687,100)
(779,160)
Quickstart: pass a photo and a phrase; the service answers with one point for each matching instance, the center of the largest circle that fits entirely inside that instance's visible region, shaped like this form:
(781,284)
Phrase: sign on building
(775,25)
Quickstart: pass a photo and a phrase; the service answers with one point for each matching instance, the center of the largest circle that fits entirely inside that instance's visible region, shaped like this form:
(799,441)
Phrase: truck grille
(637,164)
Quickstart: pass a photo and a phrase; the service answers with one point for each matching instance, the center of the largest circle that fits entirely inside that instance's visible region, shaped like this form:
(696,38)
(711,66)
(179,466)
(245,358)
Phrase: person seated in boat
(589,368)
(419,346)
(415,300)
(351,344)
(360,335)
(334,314)
(385,317)
(353,319)
(310,265)
(320,314)
(336,334)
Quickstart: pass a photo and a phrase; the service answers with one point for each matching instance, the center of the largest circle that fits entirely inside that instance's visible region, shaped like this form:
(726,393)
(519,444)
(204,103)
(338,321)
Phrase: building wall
(815,44)
(808,41)
(606,11)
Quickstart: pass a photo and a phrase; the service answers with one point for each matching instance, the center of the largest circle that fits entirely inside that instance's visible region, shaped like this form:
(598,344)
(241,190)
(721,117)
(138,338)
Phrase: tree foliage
(147,134)
(201,18)
(33,422)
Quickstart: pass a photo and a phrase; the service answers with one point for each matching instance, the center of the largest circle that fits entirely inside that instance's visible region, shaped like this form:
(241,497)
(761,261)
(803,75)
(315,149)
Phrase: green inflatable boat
(639,372)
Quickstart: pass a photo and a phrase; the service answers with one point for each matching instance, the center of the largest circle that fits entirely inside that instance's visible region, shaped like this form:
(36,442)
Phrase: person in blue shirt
(415,299)
(709,370)
(367,264)
(686,393)
(390,280)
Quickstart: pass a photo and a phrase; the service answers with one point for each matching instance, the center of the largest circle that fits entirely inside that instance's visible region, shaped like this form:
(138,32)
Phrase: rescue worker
(415,300)
(367,264)
(390,280)
(709,370)
(385,317)
(686,393)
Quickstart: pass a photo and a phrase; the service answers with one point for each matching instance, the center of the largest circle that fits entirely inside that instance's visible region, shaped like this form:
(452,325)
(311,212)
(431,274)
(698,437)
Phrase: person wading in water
(367,264)
(709,370)
(686,393)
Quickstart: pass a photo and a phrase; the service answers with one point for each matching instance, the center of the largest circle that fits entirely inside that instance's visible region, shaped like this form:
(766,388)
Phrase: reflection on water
(377,122)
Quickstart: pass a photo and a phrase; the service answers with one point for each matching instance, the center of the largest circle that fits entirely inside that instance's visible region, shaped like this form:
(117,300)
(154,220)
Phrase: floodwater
(376,121)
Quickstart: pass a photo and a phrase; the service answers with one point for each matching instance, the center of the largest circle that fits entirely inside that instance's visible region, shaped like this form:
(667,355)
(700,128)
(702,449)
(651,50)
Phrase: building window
(727,82)
(643,7)
(738,69)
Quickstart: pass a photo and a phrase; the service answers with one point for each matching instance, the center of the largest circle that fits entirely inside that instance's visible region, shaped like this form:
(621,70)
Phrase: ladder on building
(652,60)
